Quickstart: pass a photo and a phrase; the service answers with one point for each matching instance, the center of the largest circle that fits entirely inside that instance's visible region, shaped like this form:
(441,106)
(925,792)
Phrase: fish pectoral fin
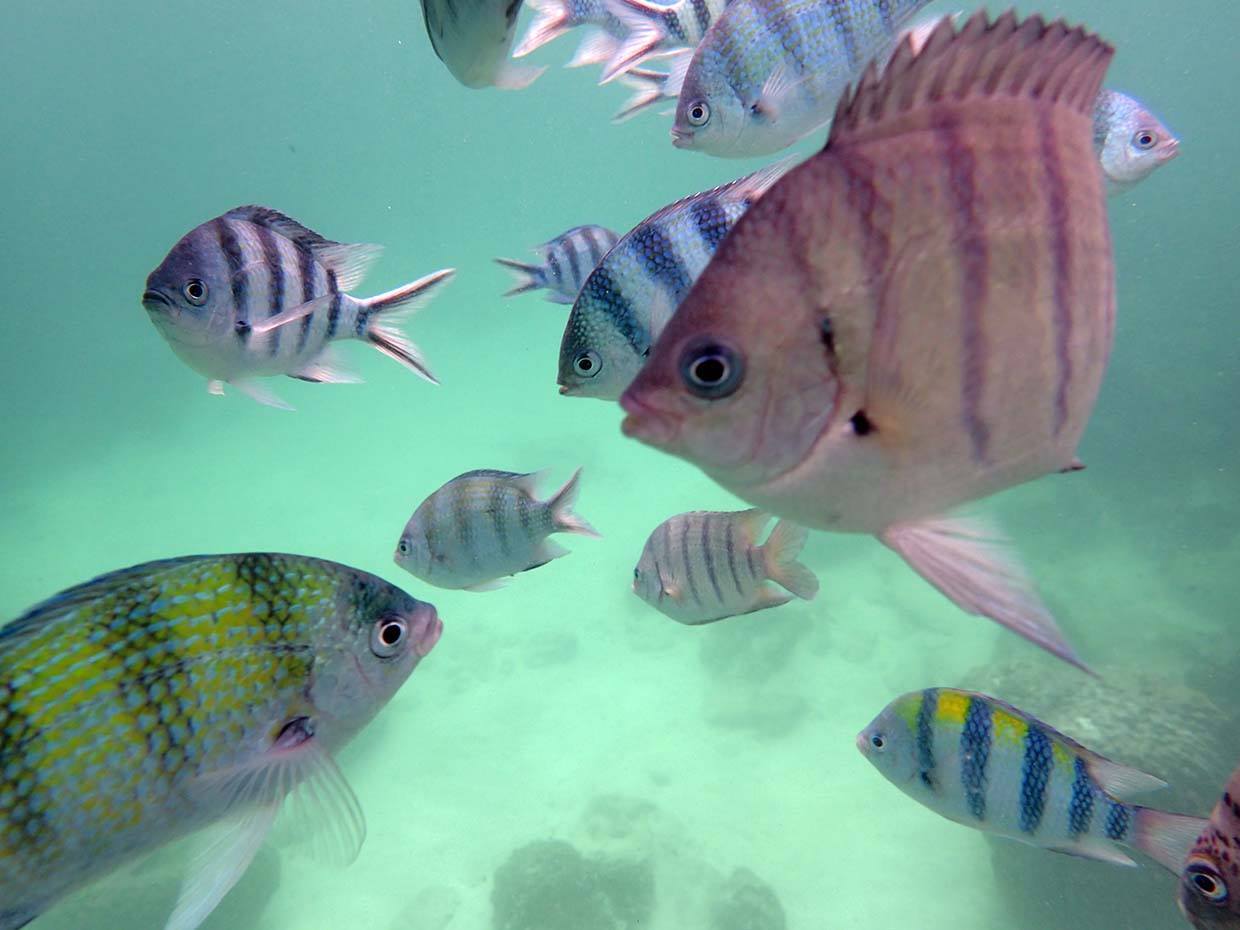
(776,91)
(226,852)
(1093,848)
(215,387)
(291,315)
(254,389)
(493,585)
(326,368)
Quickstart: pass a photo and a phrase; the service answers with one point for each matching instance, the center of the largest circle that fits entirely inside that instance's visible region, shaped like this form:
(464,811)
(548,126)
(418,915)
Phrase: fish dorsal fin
(751,523)
(750,187)
(1006,58)
(489,473)
(1118,780)
(350,261)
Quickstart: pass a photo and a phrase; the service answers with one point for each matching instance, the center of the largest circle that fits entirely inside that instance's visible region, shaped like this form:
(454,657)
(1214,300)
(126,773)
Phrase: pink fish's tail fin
(974,567)
(561,506)
(385,312)
(780,553)
(1165,837)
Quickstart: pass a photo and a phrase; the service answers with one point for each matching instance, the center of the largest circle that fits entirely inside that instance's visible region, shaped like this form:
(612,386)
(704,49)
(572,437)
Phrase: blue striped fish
(566,262)
(768,72)
(553,18)
(254,293)
(655,29)
(983,763)
(703,566)
(628,299)
(1130,140)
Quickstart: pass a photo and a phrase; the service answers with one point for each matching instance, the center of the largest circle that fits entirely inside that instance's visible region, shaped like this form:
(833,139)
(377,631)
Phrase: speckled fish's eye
(587,363)
(387,636)
(195,292)
(1145,139)
(1207,882)
(698,113)
(711,370)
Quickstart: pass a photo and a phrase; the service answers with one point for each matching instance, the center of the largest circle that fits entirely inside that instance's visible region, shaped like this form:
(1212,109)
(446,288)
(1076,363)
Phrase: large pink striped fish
(916,317)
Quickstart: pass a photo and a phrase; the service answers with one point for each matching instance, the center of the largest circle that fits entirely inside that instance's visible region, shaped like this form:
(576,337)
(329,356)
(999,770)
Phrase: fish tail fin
(512,76)
(527,277)
(971,564)
(652,87)
(385,312)
(596,48)
(644,34)
(551,20)
(780,553)
(1165,837)
(561,507)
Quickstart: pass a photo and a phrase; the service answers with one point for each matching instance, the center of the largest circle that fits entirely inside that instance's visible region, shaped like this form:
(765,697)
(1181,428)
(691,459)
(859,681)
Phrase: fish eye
(195,292)
(587,363)
(698,113)
(1145,139)
(1207,881)
(637,573)
(403,546)
(878,742)
(711,370)
(387,635)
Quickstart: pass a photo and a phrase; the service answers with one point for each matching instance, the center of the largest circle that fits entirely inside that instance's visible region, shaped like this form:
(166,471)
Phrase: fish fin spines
(1165,837)
(1120,780)
(386,311)
(527,277)
(596,48)
(561,507)
(642,21)
(551,20)
(1006,57)
(780,553)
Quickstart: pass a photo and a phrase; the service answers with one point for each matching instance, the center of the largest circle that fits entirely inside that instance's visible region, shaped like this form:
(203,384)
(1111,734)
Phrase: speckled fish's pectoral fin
(972,565)
(778,88)
(1097,849)
(255,389)
(227,851)
(326,368)
(1165,837)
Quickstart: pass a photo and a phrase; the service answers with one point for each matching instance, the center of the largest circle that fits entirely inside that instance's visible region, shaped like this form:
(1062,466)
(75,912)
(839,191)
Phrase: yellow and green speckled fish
(159,699)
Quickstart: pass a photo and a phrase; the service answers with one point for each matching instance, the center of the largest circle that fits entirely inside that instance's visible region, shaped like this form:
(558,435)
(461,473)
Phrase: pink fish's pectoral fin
(974,567)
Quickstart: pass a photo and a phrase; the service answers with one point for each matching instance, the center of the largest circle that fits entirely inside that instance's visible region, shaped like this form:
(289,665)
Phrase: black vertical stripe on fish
(688,564)
(711,221)
(885,14)
(772,20)
(674,28)
(495,504)
(553,264)
(661,260)
(975,740)
(974,252)
(1081,807)
(845,28)
(305,272)
(924,736)
(730,543)
(333,312)
(595,246)
(1035,773)
(573,262)
(525,513)
(1058,221)
(709,557)
(1118,820)
(275,272)
(701,13)
(752,562)
(666,562)
(605,290)
(231,248)
(460,517)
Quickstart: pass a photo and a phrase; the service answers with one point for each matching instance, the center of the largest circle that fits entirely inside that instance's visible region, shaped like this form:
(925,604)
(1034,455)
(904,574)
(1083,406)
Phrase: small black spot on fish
(827,334)
(242,326)
(861,424)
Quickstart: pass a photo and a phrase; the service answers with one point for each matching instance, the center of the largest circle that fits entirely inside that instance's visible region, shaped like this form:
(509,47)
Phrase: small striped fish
(987,765)
(156,700)
(484,525)
(700,567)
(553,18)
(566,262)
(655,29)
(771,71)
(1130,140)
(628,299)
(254,293)
(917,317)
(472,38)
(1210,876)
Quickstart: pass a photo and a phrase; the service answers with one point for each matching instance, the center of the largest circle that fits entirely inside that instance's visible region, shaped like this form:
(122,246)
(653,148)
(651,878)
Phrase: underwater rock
(1134,716)
(746,902)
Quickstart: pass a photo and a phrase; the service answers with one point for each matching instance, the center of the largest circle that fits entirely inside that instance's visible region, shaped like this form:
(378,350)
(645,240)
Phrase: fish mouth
(154,301)
(682,138)
(425,629)
(646,423)
(1171,150)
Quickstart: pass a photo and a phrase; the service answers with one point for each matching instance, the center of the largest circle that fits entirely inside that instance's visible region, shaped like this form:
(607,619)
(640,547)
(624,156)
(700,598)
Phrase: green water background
(126,123)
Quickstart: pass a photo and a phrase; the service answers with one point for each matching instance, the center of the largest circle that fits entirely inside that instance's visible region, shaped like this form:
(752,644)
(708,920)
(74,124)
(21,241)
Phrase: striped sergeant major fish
(553,18)
(1209,894)
(769,72)
(485,525)
(254,293)
(656,29)
(980,762)
(566,262)
(473,37)
(946,310)
(1130,140)
(628,299)
(190,693)
(702,566)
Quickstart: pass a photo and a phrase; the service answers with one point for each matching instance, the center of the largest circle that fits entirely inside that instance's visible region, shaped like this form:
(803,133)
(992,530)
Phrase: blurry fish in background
(554,18)
(175,695)
(654,29)
(703,566)
(627,300)
(1210,875)
(254,293)
(485,525)
(652,87)
(884,337)
(984,764)
(566,262)
(769,72)
(1130,140)
(473,39)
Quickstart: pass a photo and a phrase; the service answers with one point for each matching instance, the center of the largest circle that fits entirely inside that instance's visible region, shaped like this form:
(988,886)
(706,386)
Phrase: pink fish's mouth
(646,424)
(425,628)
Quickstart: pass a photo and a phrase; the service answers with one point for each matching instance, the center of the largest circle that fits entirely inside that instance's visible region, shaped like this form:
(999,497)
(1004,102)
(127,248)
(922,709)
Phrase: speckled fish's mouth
(154,302)
(646,424)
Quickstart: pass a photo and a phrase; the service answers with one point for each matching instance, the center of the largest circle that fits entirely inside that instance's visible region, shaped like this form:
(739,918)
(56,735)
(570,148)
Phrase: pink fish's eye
(711,370)
(1145,139)
(1206,880)
(387,636)
(195,292)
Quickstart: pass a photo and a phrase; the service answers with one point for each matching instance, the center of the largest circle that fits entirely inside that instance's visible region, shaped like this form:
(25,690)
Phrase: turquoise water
(128,123)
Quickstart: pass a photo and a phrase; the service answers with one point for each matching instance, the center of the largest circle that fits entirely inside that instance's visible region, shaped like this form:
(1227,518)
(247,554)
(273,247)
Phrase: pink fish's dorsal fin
(1009,57)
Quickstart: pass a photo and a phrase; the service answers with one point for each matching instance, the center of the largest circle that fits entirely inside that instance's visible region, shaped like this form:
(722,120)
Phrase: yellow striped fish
(178,694)
(985,764)
(915,318)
